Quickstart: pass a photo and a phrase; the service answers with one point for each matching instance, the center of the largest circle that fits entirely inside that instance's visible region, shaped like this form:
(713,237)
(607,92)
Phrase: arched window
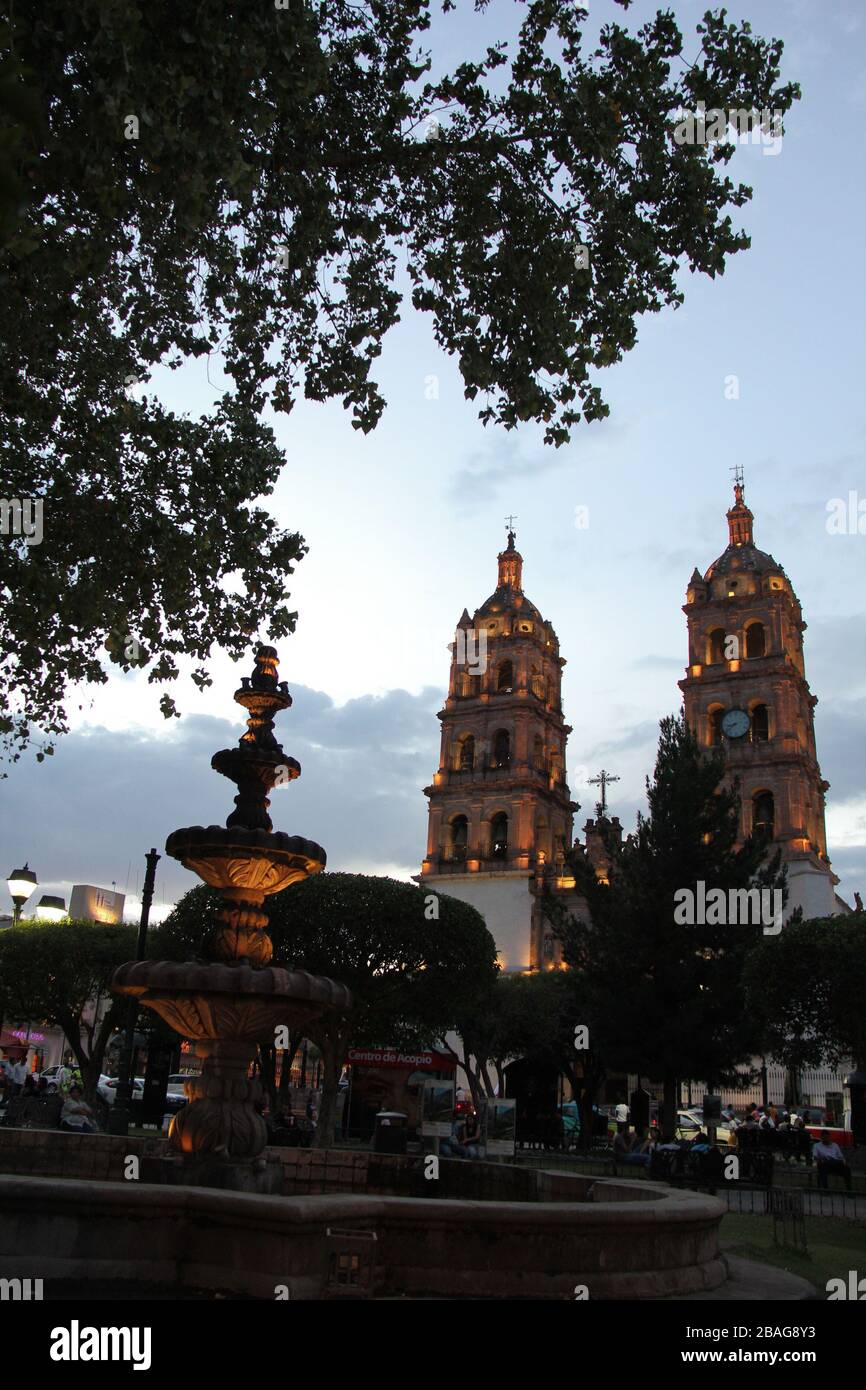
(502,749)
(538,753)
(536,683)
(763,812)
(716,716)
(716,646)
(505,680)
(760,724)
(756,640)
(499,836)
(459,837)
(466,761)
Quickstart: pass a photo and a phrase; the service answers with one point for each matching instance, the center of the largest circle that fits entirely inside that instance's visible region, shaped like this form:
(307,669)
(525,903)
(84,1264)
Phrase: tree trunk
(669,1109)
(332,1051)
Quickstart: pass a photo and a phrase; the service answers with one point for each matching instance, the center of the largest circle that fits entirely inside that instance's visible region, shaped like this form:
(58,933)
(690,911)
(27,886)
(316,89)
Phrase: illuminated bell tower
(745,688)
(500,814)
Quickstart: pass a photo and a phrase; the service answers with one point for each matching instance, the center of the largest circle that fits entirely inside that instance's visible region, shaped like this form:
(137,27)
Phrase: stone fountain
(236,999)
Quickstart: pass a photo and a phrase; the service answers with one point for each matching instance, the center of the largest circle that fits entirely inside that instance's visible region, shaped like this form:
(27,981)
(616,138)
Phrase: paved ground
(753,1282)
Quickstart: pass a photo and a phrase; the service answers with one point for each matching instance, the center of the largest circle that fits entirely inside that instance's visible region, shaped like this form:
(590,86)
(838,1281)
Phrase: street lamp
(51,909)
(21,883)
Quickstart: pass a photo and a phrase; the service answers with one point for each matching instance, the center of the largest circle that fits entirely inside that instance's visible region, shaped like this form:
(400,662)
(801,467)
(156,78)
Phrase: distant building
(90,904)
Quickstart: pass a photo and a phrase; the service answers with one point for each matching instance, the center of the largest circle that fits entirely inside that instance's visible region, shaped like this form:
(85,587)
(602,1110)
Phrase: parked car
(175,1095)
(688,1127)
(106,1088)
(51,1075)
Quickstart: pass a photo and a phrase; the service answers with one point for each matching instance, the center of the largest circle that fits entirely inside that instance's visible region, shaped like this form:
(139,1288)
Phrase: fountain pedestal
(235,1000)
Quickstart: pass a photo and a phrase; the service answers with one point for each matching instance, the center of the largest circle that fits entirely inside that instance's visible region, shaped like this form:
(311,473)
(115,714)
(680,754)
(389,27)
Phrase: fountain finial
(258,764)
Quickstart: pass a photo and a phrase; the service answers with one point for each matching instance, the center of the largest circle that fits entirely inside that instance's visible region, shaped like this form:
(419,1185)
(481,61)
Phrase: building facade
(745,689)
(500,814)
(501,817)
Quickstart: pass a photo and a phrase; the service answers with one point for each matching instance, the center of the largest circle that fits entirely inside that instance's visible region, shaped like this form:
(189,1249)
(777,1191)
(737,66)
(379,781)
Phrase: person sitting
(830,1159)
(451,1147)
(77,1114)
(640,1150)
(469,1136)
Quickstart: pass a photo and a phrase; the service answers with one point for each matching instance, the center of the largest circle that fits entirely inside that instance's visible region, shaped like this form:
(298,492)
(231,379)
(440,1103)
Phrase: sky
(404,526)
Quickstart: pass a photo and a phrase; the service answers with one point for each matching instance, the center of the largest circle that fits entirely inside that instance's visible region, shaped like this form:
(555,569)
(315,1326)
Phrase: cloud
(487,469)
(90,813)
(658,663)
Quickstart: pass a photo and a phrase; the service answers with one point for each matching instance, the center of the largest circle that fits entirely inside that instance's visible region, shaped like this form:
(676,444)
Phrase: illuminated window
(345,1268)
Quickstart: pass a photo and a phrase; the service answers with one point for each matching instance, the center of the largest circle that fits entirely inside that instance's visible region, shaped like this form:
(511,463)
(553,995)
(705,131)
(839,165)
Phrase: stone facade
(500,811)
(745,688)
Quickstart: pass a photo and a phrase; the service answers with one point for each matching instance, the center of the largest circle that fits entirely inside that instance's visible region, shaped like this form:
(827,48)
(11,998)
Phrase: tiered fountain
(236,999)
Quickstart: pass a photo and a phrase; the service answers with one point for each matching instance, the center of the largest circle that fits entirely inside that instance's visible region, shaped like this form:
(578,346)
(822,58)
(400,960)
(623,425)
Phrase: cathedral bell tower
(500,811)
(745,689)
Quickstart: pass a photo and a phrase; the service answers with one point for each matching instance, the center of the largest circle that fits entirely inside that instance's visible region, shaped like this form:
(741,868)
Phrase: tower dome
(741,553)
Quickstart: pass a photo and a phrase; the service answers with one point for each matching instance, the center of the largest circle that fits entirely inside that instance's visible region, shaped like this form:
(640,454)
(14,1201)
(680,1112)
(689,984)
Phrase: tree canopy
(806,989)
(59,973)
(262,181)
(411,975)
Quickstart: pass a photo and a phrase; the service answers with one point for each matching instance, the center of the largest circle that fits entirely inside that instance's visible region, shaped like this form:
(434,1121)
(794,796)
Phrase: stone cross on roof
(602,780)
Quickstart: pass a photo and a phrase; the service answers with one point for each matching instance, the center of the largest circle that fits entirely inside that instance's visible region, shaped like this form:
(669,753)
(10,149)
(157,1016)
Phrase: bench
(696,1170)
(33,1112)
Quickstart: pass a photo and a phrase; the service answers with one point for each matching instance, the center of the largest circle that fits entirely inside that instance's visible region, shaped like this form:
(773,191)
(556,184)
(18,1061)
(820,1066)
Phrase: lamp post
(21,883)
(51,909)
(118,1120)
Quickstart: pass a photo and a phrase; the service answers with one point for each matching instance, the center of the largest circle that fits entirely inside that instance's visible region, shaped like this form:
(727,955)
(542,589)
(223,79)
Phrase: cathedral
(500,813)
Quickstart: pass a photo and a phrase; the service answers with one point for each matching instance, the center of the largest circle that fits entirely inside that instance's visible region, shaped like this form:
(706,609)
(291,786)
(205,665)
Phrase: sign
(712,1110)
(437,1115)
(501,1126)
(429,1059)
(90,904)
